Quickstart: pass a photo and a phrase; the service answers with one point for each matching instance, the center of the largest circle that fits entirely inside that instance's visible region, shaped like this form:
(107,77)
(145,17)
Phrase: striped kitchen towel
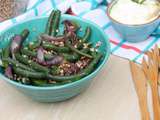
(95,11)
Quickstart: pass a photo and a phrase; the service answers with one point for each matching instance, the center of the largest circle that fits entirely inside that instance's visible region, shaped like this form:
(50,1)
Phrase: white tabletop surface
(111,96)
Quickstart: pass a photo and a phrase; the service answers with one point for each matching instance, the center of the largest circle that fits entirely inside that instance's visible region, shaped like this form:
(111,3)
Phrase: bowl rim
(106,39)
(110,5)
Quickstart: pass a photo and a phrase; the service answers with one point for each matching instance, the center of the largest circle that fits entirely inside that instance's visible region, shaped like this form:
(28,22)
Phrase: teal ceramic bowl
(134,33)
(63,92)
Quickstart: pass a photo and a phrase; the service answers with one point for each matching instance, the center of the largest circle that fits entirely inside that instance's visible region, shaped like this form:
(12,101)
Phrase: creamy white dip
(129,12)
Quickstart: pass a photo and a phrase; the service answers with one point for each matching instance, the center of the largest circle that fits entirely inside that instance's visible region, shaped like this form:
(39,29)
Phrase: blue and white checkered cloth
(95,11)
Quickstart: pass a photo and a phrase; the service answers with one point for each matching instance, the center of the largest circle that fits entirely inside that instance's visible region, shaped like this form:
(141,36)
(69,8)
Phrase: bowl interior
(37,26)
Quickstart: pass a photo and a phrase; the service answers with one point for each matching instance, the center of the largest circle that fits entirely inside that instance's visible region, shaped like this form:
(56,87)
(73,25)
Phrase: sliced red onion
(43,63)
(55,60)
(16,44)
(8,72)
(40,55)
(51,38)
(70,27)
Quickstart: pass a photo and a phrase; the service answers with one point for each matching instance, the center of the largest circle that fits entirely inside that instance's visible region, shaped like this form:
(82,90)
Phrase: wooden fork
(141,89)
(151,71)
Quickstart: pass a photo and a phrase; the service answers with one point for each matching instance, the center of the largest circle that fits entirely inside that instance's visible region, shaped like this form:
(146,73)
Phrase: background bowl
(133,33)
(63,92)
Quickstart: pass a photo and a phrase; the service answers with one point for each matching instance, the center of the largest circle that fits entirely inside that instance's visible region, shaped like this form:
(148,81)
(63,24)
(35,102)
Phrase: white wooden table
(111,96)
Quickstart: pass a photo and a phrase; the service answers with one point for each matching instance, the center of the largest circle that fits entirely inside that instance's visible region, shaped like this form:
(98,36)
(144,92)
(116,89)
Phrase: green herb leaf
(139,1)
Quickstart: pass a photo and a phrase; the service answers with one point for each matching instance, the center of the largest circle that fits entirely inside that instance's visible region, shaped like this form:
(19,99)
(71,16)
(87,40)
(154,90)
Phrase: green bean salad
(53,59)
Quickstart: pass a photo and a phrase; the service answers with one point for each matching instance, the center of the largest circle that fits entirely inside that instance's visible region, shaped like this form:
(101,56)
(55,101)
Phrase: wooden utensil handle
(155,100)
(144,109)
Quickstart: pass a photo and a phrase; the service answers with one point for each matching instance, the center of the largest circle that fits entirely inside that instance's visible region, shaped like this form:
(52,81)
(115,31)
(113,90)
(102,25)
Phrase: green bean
(43,83)
(49,23)
(66,78)
(29,74)
(17,64)
(84,72)
(85,50)
(34,54)
(28,52)
(70,57)
(85,38)
(55,24)
(6,54)
(76,50)
(38,82)
(30,63)
(17,42)
(87,34)
(24,34)
(73,57)
(50,46)
(55,70)
(94,62)
(40,75)
(52,84)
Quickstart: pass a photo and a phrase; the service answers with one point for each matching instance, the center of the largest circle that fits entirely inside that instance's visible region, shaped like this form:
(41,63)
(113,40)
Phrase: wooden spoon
(141,88)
